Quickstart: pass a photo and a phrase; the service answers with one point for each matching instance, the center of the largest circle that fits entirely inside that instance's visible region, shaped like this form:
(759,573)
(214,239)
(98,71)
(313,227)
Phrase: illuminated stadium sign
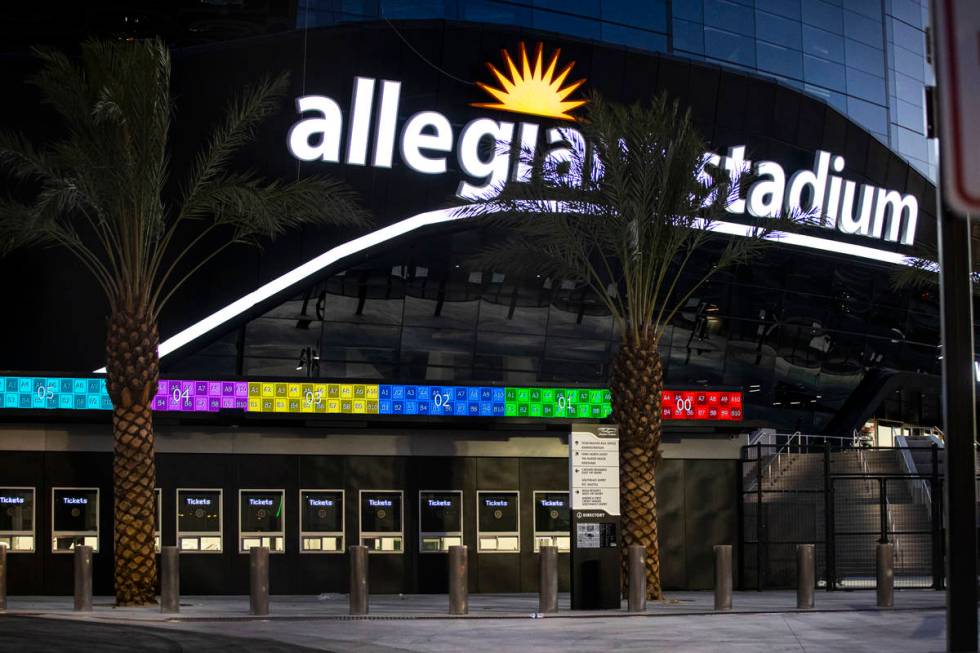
(291,397)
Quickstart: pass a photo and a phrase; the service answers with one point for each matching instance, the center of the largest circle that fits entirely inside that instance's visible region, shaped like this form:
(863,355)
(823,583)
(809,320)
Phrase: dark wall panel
(670,526)
(710,516)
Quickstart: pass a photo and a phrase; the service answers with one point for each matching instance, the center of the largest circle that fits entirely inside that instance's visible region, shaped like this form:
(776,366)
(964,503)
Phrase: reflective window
(824,73)
(861,28)
(778,30)
(823,44)
(865,86)
(779,60)
(688,36)
(871,116)
(487,11)
(692,11)
(785,8)
(573,25)
(729,47)
(864,58)
(823,15)
(634,38)
(729,16)
(650,14)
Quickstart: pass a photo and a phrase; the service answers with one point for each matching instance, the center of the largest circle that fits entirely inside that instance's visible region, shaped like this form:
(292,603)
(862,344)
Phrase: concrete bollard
(805,576)
(885,559)
(169,579)
(459,597)
(358,579)
(3,578)
(548,580)
(258,580)
(636,600)
(723,577)
(83,579)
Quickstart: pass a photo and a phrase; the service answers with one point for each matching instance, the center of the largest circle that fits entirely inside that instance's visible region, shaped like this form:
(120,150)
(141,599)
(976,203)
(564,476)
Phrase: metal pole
(936,495)
(258,577)
(548,580)
(723,577)
(637,598)
(959,405)
(169,579)
(758,519)
(830,539)
(882,511)
(3,578)
(805,576)
(886,575)
(459,598)
(83,579)
(358,579)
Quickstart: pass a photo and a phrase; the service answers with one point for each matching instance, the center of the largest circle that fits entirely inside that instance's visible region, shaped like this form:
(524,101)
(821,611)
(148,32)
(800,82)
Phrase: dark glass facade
(865,58)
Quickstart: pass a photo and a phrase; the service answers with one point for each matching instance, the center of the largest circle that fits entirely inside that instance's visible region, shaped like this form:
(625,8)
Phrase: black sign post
(593,466)
(955,43)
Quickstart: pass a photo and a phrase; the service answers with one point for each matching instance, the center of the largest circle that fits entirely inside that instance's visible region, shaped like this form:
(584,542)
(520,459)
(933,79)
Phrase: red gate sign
(958,56)
(701,405)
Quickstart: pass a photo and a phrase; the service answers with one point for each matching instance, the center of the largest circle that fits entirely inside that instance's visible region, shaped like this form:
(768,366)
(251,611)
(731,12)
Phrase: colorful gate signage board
(297,397)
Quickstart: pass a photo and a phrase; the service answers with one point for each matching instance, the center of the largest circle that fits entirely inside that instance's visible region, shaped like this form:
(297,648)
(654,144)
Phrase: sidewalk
(684,623)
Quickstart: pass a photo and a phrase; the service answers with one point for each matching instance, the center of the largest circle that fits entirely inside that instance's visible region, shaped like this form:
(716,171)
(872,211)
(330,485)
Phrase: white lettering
(426,130)
(380,503)
(384,144)
(11,499)
(360,121)
(191,501)
(862,224)
(72,501)
(812,182)
(493,172)
(736,165)
(496,503)
(891,206)
(765,197)
(328,128)
(326,503)
(260,502)
(440,503)
(552,503)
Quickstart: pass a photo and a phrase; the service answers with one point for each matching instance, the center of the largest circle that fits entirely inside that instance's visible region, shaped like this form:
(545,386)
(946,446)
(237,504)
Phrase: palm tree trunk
(133,366)
(636,384)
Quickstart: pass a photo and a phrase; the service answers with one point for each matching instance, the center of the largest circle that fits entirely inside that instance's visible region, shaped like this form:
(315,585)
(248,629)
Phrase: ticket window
(380,514)
(199,520)
(74,519)
(552,521)
(440,520)
(261,521)
(157,516)
(17,519)
(321,521)
(498,522)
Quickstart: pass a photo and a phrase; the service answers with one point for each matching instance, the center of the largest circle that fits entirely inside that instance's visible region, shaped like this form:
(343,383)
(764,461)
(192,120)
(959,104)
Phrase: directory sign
(199,513)
(702,405)
(17,519)
(74,518)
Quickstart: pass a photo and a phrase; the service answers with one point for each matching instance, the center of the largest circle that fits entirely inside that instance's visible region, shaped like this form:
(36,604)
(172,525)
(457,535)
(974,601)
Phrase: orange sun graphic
(532,90)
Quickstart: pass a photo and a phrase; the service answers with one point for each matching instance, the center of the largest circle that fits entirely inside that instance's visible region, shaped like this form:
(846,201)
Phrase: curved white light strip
(428,218)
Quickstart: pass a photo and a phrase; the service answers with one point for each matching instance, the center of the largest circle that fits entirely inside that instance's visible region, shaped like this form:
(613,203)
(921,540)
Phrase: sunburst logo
(534,89)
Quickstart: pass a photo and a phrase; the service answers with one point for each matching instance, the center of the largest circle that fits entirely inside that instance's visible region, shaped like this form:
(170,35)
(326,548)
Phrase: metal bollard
(886,575)
(805,580)
(459,598)
(636,600)
(548,580)
(358,579)
(723,577)
(3,578)
(169,579)
(258,580)
(83,579)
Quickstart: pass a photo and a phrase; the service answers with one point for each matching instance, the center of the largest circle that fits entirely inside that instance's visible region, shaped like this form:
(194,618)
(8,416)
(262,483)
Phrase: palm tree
(624,210)
(101,192)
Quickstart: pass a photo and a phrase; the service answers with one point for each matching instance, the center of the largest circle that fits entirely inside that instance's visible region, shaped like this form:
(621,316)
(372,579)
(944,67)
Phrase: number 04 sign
(958,55)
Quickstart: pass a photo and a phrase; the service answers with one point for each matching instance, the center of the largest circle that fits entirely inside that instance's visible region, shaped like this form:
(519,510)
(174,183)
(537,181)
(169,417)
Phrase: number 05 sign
(958,56)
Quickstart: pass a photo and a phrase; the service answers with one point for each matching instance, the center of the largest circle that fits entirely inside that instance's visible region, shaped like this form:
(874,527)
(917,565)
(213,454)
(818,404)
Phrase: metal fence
(845,500)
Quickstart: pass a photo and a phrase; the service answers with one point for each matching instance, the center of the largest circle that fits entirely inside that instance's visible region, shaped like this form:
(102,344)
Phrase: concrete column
(805,576)
(258,580)
(723,577)
(459,598)
(637,578)
(3,578)
(358,579)
(83,579)
(169,579)
(548,579)
(886,575)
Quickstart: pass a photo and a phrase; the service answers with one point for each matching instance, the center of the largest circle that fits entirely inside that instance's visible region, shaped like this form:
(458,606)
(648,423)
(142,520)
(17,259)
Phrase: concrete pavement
(760,621)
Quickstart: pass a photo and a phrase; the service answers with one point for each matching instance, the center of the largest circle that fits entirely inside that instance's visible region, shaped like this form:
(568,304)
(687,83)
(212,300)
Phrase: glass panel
(650,14)
(786,8)
(729,16)
(781,61)
(865,86)
(864,58)
(823,44)
(634,38)
(823,15)
(824,73)
(688,36)
(778,30)
(730,47)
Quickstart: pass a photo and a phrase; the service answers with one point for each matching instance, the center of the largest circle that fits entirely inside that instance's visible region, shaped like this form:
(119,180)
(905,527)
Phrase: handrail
(918,488)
